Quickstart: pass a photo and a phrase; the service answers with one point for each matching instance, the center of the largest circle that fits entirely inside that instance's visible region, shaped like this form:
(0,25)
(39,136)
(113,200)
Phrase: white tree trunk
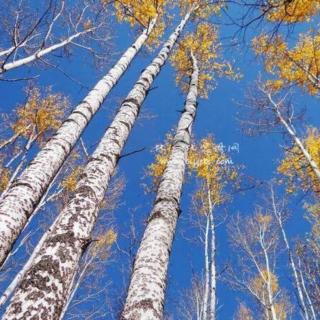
(33,137)
(213,273)
(294,137)
(42,52)
(291,260)
(206,270)
(270,296)
(310,304)
(146,293)
(46,284)
(22,198)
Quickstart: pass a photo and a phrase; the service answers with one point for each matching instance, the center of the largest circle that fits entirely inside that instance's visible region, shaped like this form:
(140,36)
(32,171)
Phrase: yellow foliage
(203,8)
(292,11)
(70,182)
(260,282)
(244,313)
(205,46)
(40,115)
(314,218)
(4,178)
(259,285)
(264,219)
(156,169)
(105,241)
(295,167)
(208,163)
(140,12)
(87,24)
(299,65)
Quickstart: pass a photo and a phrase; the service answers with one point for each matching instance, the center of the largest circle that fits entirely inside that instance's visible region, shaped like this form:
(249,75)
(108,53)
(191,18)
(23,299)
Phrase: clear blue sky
(216,116)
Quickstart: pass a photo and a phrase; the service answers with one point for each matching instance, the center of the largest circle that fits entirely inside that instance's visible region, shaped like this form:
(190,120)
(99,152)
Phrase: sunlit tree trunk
(291,131)
(46,285)
(23,196)
(24,152)
(12,139)
(42,52)
(269,304)
(292,263)
(206,270)
(146,292)
(213,278)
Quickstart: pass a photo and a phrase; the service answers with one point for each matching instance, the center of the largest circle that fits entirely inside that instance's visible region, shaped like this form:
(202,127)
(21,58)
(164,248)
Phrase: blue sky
(217,116)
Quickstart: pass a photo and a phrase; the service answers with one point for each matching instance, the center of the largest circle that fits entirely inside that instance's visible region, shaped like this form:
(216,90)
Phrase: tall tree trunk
(292,263)
(206,270)
(148,281)
(42,52)
(310,304)
(23,196)
(46,285)
(270,305)
(213,273)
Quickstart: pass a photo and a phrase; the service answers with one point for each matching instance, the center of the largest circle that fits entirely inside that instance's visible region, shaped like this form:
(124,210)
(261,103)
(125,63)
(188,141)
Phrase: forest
(159,159)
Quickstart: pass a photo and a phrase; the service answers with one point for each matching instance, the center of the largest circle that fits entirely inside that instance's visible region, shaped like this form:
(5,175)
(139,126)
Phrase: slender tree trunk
(24,195)
(207,270)
(310,304)
(42,52)
(270,296)
(295,138)
(10,140)
(213,280)
(76,281)
(45,286)
(290,257)
(33,137)
(148,281)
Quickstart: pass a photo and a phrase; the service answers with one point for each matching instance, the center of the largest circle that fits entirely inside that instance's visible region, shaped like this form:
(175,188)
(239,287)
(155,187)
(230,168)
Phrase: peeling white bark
(23,196)
(45,287)
(146,293)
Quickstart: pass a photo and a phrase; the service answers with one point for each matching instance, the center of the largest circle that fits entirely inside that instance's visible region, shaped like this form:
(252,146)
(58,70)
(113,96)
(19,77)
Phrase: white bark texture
(146,293)
(23,196)
(42,52)
(213,273)
(291,131)
(46,285)
(293,266)
(207,270)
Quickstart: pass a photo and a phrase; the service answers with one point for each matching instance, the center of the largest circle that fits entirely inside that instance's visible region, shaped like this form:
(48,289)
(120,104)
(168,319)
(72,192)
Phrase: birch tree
(287,66)
(33,33)
(25,193)
(145,298)
(275,13)
(274,112)
(255,239)
(296,169)
(69,236)
(210,166)
(32,123)
(307,309)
